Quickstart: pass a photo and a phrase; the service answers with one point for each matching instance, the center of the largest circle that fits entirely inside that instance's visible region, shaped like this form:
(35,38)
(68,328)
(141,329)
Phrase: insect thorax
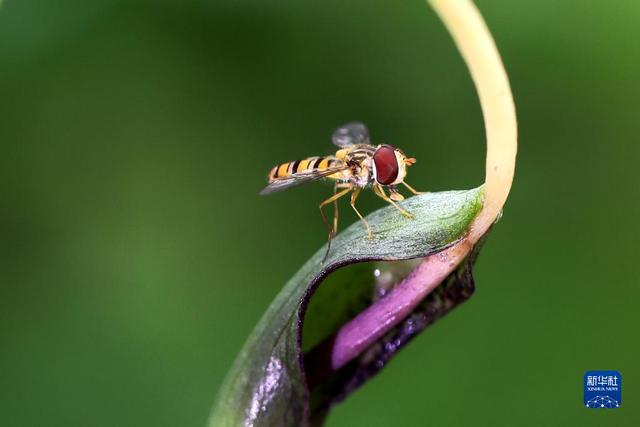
(359,158)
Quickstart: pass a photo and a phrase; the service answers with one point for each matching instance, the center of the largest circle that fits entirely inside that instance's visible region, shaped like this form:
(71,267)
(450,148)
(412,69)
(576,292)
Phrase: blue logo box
(602,389)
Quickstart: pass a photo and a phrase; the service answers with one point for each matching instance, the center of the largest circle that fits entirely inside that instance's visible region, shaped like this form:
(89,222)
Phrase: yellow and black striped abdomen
(308,165)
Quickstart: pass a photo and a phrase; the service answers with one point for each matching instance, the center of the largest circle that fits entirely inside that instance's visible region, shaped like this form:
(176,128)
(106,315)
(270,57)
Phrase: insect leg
(354,197)
(380,192)
(394,195)
(413,190)
(323,204)
(335,207)
(333,230)
(331,199)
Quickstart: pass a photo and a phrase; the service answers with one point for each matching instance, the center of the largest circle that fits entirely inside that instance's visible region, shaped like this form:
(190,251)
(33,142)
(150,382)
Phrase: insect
(355,166)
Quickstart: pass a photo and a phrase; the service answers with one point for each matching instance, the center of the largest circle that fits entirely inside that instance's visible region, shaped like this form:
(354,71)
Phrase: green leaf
(267,385)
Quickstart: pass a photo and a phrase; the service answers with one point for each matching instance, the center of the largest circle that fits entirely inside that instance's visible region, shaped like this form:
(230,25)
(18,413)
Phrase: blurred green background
(136,255)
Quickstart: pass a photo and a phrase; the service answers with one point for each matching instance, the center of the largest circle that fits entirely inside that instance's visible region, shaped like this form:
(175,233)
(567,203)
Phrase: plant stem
(478,49)
(474,41)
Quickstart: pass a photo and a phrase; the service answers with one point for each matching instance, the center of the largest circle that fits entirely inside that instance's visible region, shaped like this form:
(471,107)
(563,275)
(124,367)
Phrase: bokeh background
(136,255)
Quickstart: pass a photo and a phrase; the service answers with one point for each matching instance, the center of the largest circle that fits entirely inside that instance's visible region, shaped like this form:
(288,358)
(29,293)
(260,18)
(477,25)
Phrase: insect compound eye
(386,164)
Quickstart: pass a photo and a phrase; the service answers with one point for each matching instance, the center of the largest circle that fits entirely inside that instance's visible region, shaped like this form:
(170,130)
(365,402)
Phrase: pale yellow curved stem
(470,33)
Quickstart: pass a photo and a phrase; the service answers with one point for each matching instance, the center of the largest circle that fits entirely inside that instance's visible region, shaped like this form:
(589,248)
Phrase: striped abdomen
(308,165)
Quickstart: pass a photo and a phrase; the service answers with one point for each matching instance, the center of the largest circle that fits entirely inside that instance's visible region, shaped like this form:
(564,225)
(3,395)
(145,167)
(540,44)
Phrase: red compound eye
(386,164)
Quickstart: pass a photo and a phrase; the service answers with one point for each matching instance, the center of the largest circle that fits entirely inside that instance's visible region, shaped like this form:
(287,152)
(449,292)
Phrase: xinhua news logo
(602,389)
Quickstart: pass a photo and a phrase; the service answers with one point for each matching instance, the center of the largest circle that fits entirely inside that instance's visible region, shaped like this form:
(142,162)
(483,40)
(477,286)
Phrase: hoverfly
(355,166)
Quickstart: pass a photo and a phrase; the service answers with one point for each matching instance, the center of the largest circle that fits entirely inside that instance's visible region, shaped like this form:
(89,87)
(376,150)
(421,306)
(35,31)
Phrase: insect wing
(294,180)
(351,134)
